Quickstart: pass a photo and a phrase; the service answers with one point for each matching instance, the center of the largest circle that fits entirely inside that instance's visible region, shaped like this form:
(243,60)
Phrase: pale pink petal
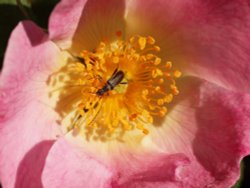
(68,166)
(84,24)
(26,117)
(211,126)
(100,21)
(64,21)
(208,39)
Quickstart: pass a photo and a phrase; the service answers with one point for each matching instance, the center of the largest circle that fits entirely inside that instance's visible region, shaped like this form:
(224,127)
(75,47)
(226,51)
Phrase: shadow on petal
(33,32)
(31,167)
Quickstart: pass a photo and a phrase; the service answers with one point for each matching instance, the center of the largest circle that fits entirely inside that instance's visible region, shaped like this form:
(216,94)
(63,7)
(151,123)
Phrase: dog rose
(127,93)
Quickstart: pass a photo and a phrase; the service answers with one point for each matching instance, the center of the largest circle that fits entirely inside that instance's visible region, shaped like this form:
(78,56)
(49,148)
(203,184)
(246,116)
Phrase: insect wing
(116,79)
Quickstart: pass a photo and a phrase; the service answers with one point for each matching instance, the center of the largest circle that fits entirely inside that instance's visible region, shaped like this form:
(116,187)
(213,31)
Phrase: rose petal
(144,164)
(26,117)
(84,24)
(149,169)
(100,21)
(211,126)
(219,144)
(15,63)
(67,166)
(122,169)
(208,39)
(64,21)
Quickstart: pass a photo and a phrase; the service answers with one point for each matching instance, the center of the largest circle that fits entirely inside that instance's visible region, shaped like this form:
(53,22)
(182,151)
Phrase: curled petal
(150,169)
(210,125)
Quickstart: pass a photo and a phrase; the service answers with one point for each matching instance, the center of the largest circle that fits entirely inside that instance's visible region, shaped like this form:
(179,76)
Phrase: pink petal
(15,62)
(78,167)
(68,166)
(211,126)
(64,21)
(26,117)
(149,169)
(87,23)
(208,39)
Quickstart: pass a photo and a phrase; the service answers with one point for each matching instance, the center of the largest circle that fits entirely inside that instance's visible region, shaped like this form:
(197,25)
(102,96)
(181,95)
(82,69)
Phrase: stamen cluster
(128,101)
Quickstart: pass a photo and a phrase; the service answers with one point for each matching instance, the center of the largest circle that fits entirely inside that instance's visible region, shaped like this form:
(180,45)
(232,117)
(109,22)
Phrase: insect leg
(124,83)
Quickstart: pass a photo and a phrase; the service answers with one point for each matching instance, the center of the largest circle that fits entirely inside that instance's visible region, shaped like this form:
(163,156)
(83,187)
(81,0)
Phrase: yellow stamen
(119,87)
(168,64)
(150,40)
(142,42)
(177,74)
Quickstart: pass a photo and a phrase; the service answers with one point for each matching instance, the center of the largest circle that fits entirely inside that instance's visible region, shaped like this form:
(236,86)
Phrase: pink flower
(59,125)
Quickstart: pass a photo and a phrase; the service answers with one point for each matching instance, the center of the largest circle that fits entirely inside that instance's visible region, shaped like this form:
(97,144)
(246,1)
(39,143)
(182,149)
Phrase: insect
(112,82)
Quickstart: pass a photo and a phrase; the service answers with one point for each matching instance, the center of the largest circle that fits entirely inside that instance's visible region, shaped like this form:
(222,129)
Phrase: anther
(177,74)
(150,40)
(123,86)
(142,42)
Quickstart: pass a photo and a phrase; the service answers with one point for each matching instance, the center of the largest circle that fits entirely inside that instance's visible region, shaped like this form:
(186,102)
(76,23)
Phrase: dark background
(39,11)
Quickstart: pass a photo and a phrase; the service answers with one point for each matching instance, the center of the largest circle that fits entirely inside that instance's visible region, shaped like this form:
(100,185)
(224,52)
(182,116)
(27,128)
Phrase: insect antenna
(98,110)
(80,118)
(115,71)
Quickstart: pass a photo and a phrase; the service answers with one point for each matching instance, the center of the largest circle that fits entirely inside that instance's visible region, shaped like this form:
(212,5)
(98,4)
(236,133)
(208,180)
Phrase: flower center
(120,86)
